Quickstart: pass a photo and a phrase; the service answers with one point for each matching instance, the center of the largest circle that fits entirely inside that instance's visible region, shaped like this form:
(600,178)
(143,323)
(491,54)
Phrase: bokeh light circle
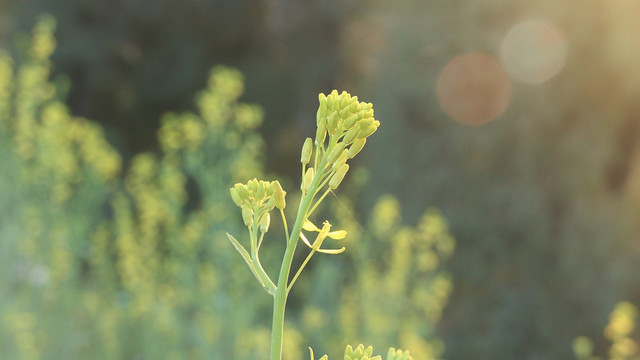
(473,89)
(534,51)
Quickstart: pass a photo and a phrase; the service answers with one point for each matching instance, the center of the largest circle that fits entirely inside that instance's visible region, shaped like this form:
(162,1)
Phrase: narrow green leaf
(247,258)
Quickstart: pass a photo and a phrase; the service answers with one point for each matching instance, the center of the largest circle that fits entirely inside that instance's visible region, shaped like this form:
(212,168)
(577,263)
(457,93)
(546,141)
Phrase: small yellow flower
(322,235)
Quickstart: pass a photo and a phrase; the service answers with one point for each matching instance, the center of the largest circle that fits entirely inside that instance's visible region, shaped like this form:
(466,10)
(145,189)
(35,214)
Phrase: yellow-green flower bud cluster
(394,354)
(360,353)
(344,118)
(257,199)
(348,123)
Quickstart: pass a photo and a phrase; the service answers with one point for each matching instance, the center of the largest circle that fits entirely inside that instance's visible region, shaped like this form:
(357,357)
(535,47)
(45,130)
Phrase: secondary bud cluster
(257,199)
(344,118)
(360,353)
(394,354)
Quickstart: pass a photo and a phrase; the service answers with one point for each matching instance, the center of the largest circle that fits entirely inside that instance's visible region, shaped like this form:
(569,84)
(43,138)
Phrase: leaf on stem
(247,258)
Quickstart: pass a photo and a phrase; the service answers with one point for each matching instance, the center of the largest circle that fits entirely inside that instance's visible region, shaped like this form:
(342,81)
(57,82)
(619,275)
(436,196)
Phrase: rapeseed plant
(343,126)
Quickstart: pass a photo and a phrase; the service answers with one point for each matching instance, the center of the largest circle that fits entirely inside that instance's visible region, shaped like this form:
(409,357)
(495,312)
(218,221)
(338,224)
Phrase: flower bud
(365,122)
(253,186)
(351,134)
(322,109)
(307,180)
(307,148)
(355,148)
(335,152)
(336,179)
(341,160)
(264,223)
(321,133)
(278,194)
(247,215)
(353,107)
(260,191)
(235,196)
(344,98)
(332,123)
(368,131)
(344,113)
(350,121)
(242,191)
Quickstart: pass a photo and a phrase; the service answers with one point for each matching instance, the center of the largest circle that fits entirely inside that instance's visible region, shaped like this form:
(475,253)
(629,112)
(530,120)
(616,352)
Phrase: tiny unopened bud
(341,160)
(278,194)
(355,148)
(344,98)
(307,148)
(321,133)
(307,180)
(336,179)
(351,134)
(253,185)
(368,131)
(264,223)
(260,190)
(332,123)
(348,350)
(247,215)
(323,111)
(235,196)
(242,191)
(368,351)
(335,152)
(365,122)
(350,121)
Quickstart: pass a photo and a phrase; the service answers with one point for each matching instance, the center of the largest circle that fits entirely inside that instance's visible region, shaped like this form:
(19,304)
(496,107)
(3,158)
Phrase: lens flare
(534,51)
(473,89)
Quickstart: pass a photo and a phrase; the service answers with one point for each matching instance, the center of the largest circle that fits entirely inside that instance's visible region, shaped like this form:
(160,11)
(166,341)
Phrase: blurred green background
(518,121)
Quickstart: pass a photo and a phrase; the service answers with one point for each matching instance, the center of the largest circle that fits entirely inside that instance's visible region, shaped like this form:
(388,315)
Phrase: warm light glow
(473,89)
(534,51)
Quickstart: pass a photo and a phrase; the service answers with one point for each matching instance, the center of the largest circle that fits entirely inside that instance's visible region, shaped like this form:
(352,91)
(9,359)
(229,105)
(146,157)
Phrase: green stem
(280,298)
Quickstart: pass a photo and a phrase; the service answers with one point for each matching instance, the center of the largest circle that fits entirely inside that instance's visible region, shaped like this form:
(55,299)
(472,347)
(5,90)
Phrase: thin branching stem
(304,263)
(284,223)
(313,208)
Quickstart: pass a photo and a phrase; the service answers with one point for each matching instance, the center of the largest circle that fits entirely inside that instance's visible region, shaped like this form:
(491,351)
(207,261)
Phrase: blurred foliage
(106,263)
(619,331)
(131,61)
(542,201)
